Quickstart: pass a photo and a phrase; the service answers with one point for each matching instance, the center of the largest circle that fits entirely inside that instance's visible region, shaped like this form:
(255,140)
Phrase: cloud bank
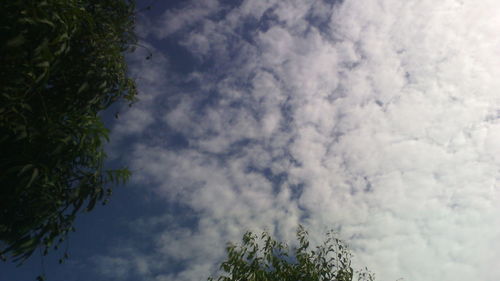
(377,118)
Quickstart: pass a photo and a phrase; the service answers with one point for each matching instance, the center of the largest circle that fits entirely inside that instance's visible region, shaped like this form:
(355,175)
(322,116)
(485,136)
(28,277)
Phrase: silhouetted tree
(61,63)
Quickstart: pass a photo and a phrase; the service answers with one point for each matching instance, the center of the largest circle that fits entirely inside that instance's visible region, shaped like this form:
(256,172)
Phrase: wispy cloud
(379,118)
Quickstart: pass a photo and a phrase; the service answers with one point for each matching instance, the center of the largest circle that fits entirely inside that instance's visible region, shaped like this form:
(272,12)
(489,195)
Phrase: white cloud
(113,267)
(151,78)
(188,15)
(385,112)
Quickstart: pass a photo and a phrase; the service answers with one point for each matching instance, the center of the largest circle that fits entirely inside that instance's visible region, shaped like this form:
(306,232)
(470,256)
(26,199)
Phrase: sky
(378,119)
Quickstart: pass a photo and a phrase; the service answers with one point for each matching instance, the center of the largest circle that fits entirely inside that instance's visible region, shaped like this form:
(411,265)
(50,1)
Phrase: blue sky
(379,119)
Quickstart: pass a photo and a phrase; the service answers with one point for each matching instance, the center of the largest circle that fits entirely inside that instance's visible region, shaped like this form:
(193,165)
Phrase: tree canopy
(265,259)
(61,63)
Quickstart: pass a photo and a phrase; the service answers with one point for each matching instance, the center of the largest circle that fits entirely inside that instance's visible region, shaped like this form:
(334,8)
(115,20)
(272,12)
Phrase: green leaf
(25,168)
(83,87)
(44,64)
(47,22)
(16,41)
(34,175)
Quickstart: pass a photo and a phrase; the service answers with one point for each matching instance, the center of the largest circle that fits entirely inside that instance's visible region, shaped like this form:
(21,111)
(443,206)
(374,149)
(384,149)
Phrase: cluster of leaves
(265,259)
(61,63)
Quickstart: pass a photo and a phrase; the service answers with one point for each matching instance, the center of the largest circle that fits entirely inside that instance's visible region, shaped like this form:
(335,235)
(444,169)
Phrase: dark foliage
(61,63)
(265,259)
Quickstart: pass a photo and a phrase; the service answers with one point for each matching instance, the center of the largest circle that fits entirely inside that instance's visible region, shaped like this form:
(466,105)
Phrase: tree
(61,63)
(265,259)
